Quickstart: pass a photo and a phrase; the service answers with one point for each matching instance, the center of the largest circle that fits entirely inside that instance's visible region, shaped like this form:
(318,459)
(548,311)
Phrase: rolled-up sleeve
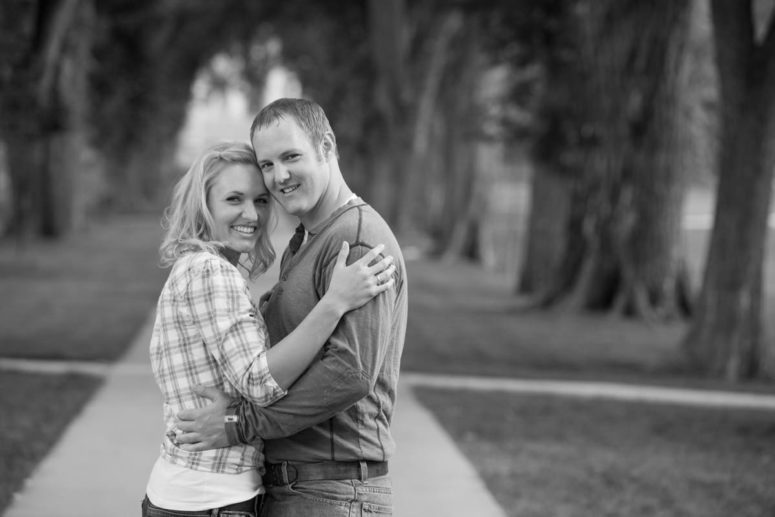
(234,333)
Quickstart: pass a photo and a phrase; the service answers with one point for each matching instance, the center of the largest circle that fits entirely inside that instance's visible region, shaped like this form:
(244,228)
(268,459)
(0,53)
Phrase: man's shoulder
(361,218)
(364,228)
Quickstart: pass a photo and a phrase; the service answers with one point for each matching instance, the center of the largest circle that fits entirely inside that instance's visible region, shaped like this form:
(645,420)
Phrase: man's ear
(328,144)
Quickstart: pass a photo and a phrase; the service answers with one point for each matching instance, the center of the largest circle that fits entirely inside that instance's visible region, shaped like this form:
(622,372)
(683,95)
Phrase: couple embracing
(283,409)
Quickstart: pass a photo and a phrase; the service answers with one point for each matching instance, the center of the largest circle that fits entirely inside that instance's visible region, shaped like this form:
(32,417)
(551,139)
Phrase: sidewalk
(101,463)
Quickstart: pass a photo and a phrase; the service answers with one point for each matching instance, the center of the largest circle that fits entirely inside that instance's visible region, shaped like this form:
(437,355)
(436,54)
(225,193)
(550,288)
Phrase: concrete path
(101,463)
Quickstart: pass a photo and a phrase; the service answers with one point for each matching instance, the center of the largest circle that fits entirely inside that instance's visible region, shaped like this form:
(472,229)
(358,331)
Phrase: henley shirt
(341,408)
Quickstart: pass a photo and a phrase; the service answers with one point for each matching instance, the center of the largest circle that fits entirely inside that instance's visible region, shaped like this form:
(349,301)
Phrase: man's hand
(203,429)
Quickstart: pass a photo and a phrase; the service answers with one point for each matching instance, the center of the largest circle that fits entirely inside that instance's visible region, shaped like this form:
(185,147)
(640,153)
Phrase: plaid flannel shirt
(208,331)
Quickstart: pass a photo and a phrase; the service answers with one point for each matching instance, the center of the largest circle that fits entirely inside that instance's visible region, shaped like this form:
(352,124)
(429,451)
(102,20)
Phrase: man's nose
(281,173)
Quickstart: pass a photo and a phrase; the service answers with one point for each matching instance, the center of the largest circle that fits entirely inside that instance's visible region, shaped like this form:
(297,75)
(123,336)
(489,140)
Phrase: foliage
(537,41)
(338,75)
(149,54)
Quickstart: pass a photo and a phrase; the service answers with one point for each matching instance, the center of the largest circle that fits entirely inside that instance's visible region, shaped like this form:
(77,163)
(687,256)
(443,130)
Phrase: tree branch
(54,47)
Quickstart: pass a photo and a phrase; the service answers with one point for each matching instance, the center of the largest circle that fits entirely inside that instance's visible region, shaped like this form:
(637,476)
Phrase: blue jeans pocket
(337,493)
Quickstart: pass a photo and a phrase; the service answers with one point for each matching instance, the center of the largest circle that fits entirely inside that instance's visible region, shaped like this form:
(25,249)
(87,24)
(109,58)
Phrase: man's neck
(327,206)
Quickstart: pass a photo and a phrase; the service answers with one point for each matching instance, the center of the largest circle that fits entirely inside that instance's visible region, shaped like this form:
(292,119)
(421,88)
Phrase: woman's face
(239,204)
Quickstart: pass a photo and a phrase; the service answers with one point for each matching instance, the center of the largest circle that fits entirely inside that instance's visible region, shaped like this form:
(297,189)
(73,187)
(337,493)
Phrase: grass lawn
(82,298)
(467,321)
(546,456)
(549,456)
(85,298)
(35,411)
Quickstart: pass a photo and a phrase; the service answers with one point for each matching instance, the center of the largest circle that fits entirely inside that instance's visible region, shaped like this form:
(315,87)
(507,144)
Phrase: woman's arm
(351,286)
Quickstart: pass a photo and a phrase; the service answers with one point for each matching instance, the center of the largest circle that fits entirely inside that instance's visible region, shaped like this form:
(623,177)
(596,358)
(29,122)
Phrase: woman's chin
(244,247)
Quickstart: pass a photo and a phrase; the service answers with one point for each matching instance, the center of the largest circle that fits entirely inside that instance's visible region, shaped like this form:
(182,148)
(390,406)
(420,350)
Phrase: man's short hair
(308,114)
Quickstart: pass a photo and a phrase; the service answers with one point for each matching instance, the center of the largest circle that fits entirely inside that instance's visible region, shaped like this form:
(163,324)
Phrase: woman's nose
(249,211)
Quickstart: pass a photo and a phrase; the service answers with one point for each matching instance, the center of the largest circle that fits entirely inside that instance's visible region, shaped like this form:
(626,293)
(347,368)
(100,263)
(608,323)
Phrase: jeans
(346,498)
(151,510)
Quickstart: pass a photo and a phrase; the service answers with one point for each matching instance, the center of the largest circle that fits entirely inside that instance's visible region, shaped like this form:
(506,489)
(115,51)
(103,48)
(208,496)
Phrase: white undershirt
(175,487)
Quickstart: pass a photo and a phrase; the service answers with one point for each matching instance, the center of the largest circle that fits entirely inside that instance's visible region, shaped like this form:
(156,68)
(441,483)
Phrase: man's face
(294,171)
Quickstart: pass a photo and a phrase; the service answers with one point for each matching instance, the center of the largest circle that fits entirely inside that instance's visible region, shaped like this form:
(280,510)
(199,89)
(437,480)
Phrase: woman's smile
(239,204)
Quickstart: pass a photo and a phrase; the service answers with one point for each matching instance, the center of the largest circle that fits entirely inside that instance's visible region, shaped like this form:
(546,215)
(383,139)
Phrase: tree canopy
(607,110)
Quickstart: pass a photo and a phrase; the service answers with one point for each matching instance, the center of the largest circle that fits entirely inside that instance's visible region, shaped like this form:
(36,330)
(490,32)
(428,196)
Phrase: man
(327,443)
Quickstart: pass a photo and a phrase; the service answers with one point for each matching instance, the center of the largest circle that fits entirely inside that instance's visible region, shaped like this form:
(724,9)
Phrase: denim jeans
(346,498)
(151,510)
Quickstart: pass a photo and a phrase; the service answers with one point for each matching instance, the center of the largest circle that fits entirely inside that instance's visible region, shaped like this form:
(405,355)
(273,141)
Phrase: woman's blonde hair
(188,222)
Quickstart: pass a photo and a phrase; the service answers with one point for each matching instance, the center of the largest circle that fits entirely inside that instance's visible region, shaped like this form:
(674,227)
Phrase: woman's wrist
(329,305)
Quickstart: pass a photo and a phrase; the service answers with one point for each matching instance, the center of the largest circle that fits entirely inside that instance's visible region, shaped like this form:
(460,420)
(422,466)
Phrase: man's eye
(261,201)
(265,167)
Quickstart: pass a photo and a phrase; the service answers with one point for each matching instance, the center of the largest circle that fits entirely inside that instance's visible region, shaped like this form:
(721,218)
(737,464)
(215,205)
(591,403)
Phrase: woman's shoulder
(195,262)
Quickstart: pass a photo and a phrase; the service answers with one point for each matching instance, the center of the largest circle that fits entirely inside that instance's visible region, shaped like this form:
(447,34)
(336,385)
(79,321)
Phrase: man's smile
(288,190)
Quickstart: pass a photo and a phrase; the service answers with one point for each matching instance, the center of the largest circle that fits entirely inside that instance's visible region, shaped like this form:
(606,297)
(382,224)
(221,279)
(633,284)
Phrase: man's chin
(294,209)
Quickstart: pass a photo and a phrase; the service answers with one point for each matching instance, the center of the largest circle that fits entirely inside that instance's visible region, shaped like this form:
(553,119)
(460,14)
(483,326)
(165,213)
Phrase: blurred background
(582,187)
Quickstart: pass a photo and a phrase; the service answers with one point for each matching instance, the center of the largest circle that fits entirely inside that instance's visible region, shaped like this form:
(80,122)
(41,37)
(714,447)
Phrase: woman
(208,331)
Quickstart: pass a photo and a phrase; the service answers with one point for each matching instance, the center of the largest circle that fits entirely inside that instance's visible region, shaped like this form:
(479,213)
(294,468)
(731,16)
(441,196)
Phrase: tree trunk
(546,235)
(35,115)
(410,52)
(655,278)
(460,182)
(724,339)
(552,246)
(388,42)
(633,186)
(410,194)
